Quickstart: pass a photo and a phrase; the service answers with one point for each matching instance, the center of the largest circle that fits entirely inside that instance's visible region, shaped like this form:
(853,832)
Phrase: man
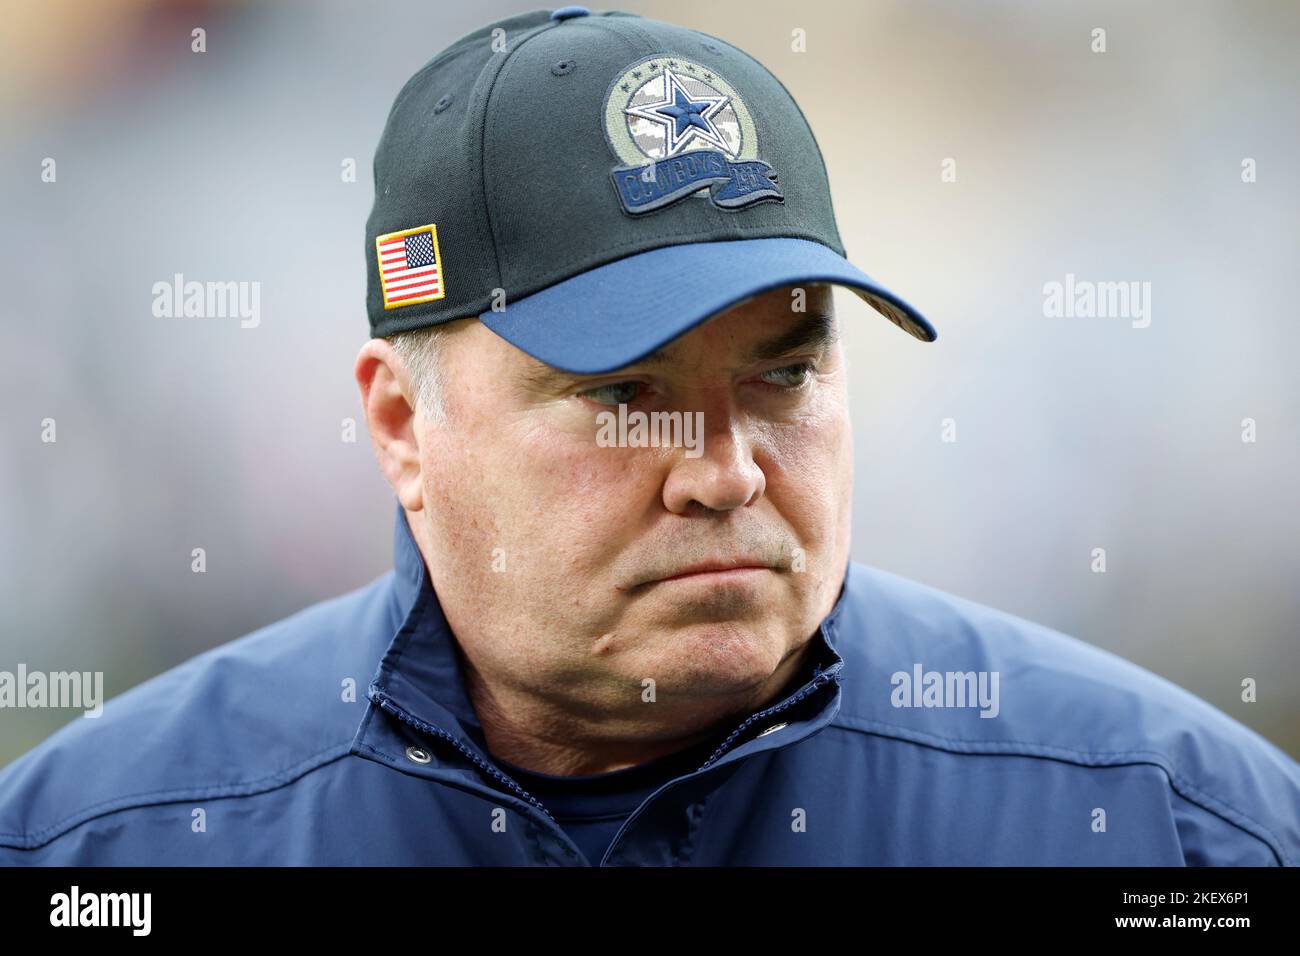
(606,388)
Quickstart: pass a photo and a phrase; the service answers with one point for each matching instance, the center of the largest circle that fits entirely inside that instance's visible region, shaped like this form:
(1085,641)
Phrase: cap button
(564,13)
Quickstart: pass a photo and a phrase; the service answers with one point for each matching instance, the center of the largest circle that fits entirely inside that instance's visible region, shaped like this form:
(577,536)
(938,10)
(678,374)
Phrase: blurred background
(1072,433)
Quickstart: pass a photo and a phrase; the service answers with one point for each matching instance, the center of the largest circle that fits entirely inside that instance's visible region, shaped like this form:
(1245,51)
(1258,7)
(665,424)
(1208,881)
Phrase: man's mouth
(720,570)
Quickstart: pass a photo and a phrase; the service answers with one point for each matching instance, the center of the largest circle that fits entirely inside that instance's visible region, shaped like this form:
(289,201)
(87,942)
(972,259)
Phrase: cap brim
(620,312)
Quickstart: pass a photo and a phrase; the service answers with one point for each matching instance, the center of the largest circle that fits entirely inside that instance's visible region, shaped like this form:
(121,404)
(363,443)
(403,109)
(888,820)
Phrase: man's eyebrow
(540,377)
(817,332)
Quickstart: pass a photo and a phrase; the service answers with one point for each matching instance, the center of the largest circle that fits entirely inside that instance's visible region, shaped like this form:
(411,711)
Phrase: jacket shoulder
(242,718)
(1049,695)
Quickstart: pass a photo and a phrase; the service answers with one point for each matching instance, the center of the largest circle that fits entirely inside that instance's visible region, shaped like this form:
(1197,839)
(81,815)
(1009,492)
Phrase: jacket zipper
(813,686)
(488,768)
(821,680)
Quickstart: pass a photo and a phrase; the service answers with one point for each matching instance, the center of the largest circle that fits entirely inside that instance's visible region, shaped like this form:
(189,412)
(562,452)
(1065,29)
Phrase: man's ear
(390,407)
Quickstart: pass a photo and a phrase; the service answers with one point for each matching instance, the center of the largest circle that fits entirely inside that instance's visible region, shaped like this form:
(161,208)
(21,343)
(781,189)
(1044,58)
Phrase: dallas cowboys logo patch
(678,128)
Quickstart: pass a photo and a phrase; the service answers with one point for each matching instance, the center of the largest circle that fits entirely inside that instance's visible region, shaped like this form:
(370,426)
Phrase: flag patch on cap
(410,266)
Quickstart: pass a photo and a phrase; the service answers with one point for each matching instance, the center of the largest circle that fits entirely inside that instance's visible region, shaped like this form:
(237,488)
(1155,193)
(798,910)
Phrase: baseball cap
(592,185)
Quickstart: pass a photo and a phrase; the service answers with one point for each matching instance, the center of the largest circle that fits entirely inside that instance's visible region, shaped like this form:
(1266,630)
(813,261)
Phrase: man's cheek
(811,493)
(569,470)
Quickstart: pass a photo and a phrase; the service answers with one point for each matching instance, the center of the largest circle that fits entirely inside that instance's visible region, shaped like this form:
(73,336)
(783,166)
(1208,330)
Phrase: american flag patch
(410,267)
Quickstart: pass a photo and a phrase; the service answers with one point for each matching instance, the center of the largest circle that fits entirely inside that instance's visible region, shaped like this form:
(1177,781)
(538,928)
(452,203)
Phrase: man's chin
(713,659)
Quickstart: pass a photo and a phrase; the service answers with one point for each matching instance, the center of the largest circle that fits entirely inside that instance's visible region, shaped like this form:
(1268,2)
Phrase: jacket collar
(421,677)
(421,671)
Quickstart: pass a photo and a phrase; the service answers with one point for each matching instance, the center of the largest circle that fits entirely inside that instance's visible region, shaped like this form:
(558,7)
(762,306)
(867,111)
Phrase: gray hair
(421,351)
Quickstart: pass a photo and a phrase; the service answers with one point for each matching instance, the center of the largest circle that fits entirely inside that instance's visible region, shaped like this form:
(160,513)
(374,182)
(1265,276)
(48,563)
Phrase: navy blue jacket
(253,753)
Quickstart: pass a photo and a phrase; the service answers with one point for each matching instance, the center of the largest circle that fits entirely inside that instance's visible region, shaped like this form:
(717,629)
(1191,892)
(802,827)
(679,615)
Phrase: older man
(643,644)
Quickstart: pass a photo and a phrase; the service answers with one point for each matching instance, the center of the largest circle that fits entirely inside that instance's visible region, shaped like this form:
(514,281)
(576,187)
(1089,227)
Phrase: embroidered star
(684,117)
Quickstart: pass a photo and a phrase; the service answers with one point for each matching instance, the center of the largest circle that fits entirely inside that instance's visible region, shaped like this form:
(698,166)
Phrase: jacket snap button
(772,729)
(416,755)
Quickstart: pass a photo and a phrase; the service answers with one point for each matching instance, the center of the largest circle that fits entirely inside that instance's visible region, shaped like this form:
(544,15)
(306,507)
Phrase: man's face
(572,571)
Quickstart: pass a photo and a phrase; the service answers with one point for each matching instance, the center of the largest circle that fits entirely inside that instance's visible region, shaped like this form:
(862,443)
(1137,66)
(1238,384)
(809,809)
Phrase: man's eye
(788,376)
(616,393)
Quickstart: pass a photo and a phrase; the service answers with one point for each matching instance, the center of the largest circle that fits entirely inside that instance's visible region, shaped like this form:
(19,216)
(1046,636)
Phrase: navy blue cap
(565,13)
(593,185)
(590,324)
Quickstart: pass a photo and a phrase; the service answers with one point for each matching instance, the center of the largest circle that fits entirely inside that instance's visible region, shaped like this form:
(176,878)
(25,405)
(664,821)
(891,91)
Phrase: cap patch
(678,128)
(410,266)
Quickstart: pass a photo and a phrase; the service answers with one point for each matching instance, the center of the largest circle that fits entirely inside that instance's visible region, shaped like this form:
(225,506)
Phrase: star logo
(686,118)
(682,132)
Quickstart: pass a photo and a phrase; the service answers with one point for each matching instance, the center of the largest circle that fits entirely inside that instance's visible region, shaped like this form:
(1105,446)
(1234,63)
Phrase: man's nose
(723,476)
